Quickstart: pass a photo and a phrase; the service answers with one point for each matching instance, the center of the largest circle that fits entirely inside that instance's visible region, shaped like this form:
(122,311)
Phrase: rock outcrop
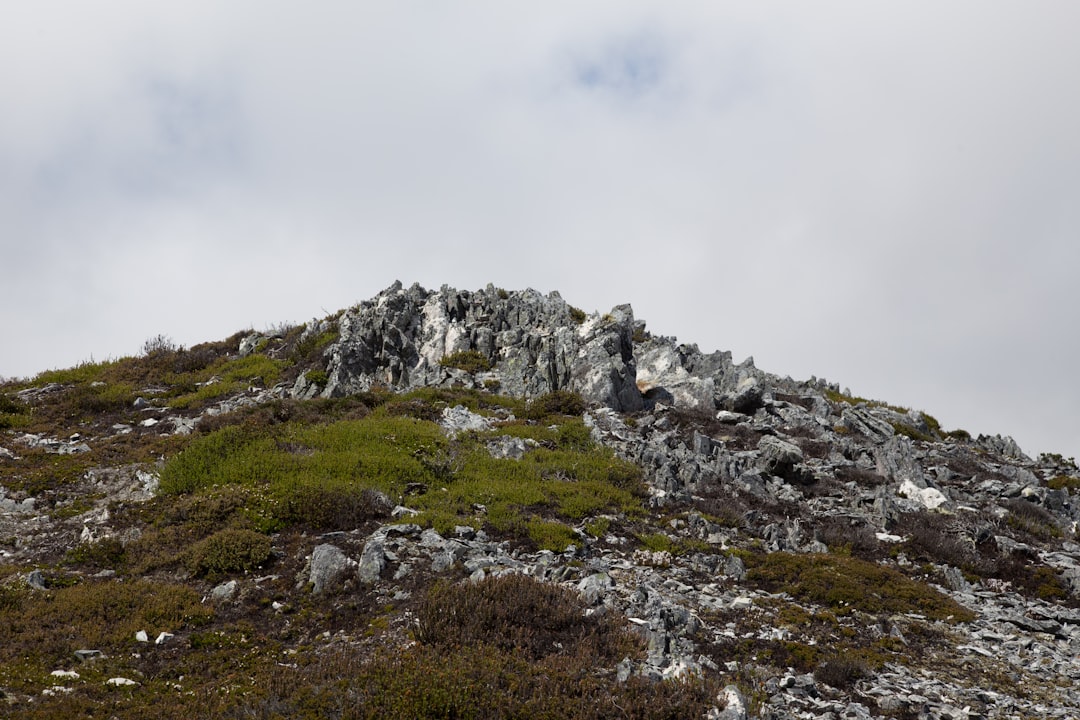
(529,344)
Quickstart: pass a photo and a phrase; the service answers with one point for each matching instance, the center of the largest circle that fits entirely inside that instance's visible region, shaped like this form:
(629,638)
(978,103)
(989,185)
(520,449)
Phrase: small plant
(471,361)
(160,345)
(577,315)
(911,432)
(317,377)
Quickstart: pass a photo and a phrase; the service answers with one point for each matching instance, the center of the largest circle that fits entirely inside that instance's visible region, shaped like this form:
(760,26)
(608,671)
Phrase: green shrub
(471,361)
(229,551)
(577,315)
(1060,482)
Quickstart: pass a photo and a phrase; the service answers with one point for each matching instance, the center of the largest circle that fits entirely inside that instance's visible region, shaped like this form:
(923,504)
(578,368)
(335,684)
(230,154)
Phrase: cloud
(881,195)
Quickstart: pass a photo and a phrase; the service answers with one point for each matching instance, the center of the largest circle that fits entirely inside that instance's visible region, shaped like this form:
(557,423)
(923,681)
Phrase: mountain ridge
(783,548)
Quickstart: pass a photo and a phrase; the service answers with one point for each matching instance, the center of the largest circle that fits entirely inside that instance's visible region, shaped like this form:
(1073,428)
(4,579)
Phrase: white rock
(163,638)
(141,636)
(120,682)
(65,674)
(931,498)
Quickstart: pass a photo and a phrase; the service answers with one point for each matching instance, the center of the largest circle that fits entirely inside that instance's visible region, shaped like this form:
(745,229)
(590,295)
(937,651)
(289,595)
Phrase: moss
(849,583)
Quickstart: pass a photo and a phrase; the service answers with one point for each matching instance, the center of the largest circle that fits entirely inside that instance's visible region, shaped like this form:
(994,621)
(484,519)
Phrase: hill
(493,504)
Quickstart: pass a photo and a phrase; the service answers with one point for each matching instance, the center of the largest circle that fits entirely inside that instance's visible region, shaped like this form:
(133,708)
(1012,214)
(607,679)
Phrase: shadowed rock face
(534,343)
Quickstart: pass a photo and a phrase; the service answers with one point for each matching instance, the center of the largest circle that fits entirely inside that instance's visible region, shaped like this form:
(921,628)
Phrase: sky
(885,195)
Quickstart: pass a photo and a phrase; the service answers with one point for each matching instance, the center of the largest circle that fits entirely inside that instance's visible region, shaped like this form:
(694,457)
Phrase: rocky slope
(777,548)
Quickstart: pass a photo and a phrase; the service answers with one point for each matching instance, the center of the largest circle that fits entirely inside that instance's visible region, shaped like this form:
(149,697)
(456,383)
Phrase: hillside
(494,504)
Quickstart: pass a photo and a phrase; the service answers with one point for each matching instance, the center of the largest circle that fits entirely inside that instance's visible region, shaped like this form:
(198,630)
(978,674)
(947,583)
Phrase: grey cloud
(884,196)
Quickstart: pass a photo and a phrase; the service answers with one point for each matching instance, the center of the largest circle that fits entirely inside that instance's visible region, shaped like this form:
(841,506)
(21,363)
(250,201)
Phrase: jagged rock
(400,338)
(746,398)
(778,457)
(1002,446)
(508,446)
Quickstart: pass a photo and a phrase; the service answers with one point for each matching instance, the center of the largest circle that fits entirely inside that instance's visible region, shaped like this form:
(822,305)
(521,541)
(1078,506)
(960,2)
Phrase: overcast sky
(883,194)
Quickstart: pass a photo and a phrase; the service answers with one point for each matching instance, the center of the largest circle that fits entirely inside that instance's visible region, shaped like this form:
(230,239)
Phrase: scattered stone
(121,682)
(225,591)
(88,655)
(141,636)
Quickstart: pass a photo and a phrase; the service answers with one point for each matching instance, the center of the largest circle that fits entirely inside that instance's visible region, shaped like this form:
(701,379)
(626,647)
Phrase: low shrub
(521,615)
(840,671)
(471,361)
(229,551)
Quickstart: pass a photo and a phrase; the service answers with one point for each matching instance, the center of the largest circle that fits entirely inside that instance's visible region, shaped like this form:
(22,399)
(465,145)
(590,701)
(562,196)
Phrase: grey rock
(508,447)
(89,655)
(459,418)
(735,707)
(372,560)
(778,457)
(398,339)
(328,564)
(595,587)
(225,591)
(36,580)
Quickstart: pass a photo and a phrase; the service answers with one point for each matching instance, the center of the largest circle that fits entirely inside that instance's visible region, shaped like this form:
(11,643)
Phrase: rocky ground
(797,551)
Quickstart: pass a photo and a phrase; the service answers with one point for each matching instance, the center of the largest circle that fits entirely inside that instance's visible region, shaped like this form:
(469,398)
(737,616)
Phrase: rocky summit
(494,504)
